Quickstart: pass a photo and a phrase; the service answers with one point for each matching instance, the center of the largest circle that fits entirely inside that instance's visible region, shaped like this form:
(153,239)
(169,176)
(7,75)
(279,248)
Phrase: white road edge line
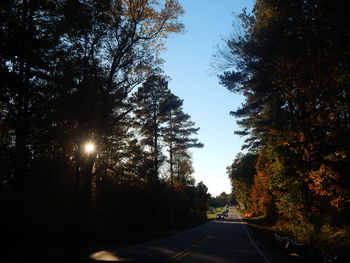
(252,241)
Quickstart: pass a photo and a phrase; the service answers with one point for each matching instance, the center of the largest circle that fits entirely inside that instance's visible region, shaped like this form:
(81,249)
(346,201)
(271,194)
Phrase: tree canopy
(72,73)
(292,65)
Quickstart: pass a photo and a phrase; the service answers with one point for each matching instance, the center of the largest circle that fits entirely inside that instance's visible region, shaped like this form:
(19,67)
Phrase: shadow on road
(230,220)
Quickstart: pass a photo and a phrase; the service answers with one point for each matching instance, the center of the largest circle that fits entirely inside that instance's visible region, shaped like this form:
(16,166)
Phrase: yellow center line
(177,257)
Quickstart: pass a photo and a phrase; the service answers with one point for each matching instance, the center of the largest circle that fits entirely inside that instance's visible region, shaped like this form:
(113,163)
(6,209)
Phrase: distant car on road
(220,216)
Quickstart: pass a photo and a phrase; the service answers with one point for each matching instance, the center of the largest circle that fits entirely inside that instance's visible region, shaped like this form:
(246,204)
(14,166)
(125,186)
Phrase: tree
(68,69)
(295,112)
(241,174)
(177,135)
(181,171)
(261,196)
(116,49)
(160,119)
(220,200)
(149,111)
(201,204)
(28,44)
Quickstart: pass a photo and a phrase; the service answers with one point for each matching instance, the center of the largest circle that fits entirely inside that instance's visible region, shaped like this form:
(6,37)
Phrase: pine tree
(162,122)
(27,50)
(149,113)
(177,134)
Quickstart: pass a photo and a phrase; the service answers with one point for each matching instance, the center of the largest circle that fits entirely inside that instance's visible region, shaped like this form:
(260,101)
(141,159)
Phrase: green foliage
(241,174)
(220,200)
(213,211)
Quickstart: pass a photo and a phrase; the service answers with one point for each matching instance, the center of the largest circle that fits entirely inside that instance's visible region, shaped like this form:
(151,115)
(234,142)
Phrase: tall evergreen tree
(177,134)
(28,40)
(162,122)
(149,112)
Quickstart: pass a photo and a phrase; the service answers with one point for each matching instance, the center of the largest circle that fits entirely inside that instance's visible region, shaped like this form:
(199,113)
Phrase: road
(220,241)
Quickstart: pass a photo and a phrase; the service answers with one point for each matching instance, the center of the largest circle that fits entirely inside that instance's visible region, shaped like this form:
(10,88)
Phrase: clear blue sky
(187,63)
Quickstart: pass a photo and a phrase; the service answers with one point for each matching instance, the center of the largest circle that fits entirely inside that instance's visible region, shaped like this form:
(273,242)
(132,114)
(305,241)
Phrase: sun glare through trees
(95,146)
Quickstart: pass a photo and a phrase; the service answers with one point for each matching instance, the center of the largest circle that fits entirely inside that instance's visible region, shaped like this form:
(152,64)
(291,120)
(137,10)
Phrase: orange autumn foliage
(260,195)
(327,183)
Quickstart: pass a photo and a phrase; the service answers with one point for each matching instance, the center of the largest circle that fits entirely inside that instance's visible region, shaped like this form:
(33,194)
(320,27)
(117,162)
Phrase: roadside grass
(211,214)
(263,230)
(261,222)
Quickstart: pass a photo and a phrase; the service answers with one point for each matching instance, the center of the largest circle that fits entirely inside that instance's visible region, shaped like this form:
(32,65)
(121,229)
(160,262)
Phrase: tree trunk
(171,152)
(155,145)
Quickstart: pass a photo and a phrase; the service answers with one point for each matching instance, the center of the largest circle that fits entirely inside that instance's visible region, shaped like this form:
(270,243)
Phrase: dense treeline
(221,200)
(75,72)
(292,65)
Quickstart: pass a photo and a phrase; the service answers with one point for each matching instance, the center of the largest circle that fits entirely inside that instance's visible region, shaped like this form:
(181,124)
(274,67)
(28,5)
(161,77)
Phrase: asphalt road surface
(219,241)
